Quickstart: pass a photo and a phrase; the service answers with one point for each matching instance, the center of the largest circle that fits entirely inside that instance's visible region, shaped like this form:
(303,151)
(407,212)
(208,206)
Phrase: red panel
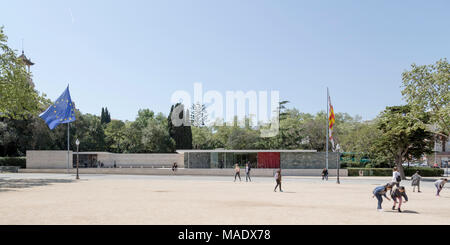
(268,160)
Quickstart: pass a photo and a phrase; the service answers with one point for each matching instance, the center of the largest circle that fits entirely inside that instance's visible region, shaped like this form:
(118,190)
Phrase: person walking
(325,174)
(439,185)
(396,177)
(278,180)
(174,167)
(247,172)
(415,181)
(397,194)
(237,171)
(380,192)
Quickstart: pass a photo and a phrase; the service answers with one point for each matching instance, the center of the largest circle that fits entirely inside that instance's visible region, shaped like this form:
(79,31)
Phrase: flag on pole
(331,121)
(62,111)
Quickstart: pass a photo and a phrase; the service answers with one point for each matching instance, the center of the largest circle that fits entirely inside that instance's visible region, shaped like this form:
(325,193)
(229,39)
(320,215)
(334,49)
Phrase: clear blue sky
(128,55)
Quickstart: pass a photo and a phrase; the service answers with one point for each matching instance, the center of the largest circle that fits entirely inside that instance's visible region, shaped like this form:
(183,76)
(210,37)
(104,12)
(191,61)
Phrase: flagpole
(328,126)
(68,146)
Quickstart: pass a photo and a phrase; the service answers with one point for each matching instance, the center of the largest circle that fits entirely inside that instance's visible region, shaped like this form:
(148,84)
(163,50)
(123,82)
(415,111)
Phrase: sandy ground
(181,200)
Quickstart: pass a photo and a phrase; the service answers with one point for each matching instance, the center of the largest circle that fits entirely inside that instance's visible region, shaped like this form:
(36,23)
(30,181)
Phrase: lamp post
(77,142)
(338,150)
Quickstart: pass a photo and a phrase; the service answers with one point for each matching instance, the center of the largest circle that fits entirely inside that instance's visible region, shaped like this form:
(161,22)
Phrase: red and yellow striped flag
(331,121)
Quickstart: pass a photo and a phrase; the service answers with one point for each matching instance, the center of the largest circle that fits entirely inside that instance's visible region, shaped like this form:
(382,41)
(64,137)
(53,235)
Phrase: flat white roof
(241,151)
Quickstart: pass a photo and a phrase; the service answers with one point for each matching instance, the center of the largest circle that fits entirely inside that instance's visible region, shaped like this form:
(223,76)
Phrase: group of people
(237,171)
(398,193)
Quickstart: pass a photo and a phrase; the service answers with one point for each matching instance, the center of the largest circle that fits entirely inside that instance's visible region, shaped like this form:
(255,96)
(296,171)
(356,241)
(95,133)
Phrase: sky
(130,55)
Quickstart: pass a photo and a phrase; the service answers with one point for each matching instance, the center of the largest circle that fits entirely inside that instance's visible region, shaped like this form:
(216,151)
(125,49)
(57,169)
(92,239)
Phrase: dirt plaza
(187,200)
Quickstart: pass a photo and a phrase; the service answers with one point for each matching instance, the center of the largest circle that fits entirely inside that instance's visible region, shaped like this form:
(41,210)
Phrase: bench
(11,169)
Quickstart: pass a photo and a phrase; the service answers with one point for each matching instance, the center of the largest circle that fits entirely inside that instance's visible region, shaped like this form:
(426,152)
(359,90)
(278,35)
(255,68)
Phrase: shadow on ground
(10,184)
(404,211)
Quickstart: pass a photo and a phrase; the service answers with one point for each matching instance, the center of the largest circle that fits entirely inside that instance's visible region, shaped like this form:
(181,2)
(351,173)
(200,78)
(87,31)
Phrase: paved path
(125,199)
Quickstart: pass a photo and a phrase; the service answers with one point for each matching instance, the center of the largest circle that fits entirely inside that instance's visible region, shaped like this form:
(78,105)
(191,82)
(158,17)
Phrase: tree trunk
(398,163)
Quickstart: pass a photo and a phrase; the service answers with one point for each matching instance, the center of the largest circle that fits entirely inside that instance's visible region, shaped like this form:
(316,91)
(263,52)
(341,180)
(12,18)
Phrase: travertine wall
(48,159)
(146,160)
(58,159)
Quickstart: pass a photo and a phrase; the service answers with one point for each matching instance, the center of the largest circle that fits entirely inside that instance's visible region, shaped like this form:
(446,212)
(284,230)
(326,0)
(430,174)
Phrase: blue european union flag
(62,111)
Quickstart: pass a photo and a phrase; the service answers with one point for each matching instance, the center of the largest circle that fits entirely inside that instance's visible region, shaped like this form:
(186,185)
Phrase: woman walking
(325,174)
(237,171)
(247,172)
(278,180)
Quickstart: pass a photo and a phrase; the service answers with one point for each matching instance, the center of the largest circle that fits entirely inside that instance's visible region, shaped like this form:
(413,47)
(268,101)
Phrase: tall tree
(18,99)
(426,88)
(403,134)
(156,137)
(107,116)
(115,135)
(102,116)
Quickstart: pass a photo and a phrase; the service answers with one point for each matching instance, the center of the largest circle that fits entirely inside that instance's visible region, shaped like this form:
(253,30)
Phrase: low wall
(184,171)
(156,160)
(48,159)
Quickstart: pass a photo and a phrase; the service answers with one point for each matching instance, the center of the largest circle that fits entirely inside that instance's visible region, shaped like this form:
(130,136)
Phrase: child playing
(439,185)
(415,181)
(379,192)
(398,193)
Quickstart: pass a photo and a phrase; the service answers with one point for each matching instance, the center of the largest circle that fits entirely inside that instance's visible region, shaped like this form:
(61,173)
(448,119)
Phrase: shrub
(423,171)
(370,171)
(13,161)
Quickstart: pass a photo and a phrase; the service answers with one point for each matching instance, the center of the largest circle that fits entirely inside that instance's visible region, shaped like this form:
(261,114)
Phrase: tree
(156,138)
(107,116)
(18,99)
(203,138)
(114,136)
(315,128)
(102,116)
(292,134)
(426,89)
(403,134)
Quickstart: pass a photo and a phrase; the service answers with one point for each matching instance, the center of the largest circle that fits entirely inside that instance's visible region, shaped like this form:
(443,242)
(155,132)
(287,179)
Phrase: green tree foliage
(426,89)
(155,136)
(105,117)
(203,138)
(402,135)
(18,99)
(115,135)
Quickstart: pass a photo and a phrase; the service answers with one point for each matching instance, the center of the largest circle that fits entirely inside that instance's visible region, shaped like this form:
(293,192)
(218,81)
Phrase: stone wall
(48,159)
(148,160)
(58,159)
(307,160)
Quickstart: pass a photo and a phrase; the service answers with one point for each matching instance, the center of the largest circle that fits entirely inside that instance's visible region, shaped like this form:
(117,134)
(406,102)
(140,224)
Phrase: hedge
(423,171)
(13,161)
(370,171)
